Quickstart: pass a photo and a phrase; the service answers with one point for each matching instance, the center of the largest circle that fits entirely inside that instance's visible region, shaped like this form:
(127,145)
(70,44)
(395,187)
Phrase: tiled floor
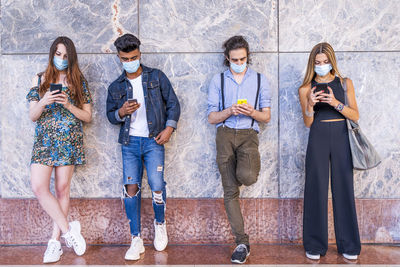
(196,255)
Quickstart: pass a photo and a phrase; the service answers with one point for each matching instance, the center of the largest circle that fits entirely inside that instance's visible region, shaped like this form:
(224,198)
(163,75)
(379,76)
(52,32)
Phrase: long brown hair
(74,74)
(320,48)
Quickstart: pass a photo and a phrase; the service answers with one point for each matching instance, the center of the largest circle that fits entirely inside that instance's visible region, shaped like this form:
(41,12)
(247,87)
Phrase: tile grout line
(278,137)
(138,18)
(214,52)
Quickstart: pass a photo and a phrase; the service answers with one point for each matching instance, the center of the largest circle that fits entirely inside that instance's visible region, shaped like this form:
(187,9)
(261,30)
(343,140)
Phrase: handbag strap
(351,125)
(344,86)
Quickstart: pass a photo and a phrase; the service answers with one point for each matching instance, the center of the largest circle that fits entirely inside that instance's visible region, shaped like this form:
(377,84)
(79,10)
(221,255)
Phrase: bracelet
(339,107)
(309,114)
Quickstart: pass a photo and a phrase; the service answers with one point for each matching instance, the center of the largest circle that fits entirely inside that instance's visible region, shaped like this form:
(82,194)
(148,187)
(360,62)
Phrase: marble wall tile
(371,220)
(376,81)
(17,130)
(193,221)
(291,220)
(92,180)
(193,152)
(389,230)
(92,25)
(202,26)
(191,170)
(292,132)
(348,25)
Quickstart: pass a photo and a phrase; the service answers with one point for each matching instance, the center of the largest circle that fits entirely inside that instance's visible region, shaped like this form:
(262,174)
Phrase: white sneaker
(350,257)
(160,236)
(135,250)
(313,256)
(53,251)
(73,238)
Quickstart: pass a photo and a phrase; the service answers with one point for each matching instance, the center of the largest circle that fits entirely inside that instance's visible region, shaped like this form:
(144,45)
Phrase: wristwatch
(339,107)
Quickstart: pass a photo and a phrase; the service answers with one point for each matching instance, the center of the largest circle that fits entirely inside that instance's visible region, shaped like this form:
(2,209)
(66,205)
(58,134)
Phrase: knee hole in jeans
(131,190)
(158,197)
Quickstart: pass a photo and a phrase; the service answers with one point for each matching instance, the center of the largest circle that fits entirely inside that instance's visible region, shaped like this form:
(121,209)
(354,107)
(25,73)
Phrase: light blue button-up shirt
(234,91)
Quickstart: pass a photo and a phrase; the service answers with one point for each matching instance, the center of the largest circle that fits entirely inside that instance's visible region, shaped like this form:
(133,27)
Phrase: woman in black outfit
(328,152)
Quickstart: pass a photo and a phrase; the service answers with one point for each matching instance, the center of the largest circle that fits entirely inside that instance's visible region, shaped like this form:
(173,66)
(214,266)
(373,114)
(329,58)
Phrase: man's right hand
(235,109)
(128,108)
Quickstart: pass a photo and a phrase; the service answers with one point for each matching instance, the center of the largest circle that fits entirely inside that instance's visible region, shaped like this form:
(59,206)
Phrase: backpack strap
(258,91)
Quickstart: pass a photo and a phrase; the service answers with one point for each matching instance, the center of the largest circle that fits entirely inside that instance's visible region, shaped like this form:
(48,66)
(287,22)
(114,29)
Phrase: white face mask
(131,66)
(238,68)
(322,70)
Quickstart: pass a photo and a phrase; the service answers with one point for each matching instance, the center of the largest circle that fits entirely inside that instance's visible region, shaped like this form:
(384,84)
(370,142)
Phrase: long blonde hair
(320,48)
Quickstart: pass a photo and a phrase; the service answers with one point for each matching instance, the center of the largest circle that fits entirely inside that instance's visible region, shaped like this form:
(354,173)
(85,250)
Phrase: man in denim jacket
(144,103)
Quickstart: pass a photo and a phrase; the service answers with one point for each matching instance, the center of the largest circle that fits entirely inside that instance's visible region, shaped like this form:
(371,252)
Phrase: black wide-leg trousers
(329,149)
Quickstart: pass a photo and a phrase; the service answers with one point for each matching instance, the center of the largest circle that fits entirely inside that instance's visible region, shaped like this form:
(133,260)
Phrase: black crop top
(324,111)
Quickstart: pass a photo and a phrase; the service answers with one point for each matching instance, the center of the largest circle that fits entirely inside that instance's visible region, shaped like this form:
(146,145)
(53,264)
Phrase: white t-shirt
(138,125)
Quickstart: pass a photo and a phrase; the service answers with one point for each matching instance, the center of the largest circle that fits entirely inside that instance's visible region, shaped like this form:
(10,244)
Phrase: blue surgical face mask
(61,64)
(238,68)
(131,66)
(322,70)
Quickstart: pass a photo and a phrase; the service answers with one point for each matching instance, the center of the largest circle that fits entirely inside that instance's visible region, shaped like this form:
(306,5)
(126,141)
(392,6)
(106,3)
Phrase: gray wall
(184,38)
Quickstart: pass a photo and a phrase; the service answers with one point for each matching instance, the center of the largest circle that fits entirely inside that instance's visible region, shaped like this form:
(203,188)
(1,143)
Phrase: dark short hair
(127,43)
(235,42)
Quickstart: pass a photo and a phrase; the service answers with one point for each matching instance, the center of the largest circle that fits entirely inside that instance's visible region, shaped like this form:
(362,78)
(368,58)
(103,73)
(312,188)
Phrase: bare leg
(40,180)
(63,185)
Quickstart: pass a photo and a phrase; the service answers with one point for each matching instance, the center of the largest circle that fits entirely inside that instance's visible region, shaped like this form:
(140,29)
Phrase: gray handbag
(363,153)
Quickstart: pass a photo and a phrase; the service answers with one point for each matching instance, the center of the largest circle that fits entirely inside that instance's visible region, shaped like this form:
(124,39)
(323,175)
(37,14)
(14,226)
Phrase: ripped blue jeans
(143,151)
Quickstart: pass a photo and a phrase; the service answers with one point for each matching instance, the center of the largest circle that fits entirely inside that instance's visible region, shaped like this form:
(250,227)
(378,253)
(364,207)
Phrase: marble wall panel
(92,180)
(192,156)
(376,82)
(371,25)
(191,170)
(1,86)
(194,221)
(202,26)
(17,130)
(92,25)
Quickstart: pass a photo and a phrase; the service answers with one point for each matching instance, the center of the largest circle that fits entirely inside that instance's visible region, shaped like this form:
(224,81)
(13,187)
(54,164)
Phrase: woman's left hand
(329,98)
(62,99)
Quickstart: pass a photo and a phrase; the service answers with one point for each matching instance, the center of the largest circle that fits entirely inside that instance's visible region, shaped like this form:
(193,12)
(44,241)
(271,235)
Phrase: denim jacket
(162,105)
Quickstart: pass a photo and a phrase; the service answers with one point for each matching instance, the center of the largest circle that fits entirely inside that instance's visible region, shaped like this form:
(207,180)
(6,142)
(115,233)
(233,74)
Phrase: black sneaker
(240,254)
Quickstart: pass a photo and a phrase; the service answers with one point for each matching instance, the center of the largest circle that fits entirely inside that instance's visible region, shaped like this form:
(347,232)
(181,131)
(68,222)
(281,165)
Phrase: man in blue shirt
(238,99)
(143,102)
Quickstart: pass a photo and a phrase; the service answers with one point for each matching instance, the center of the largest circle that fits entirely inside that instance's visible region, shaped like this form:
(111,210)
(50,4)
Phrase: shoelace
(71,241)
(50,250)
(241,248)
(134,243)
(159,228)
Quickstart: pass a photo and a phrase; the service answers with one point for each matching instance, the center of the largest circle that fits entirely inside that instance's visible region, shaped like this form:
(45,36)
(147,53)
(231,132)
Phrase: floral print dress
(58,135)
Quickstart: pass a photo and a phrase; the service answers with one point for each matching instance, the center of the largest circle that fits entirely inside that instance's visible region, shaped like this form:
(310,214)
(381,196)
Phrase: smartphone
(322,87)
(242,101)
(134,101)
(56,87)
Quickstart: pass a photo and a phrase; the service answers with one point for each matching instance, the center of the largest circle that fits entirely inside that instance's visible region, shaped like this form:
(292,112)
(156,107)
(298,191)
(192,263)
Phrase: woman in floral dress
(58,140)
